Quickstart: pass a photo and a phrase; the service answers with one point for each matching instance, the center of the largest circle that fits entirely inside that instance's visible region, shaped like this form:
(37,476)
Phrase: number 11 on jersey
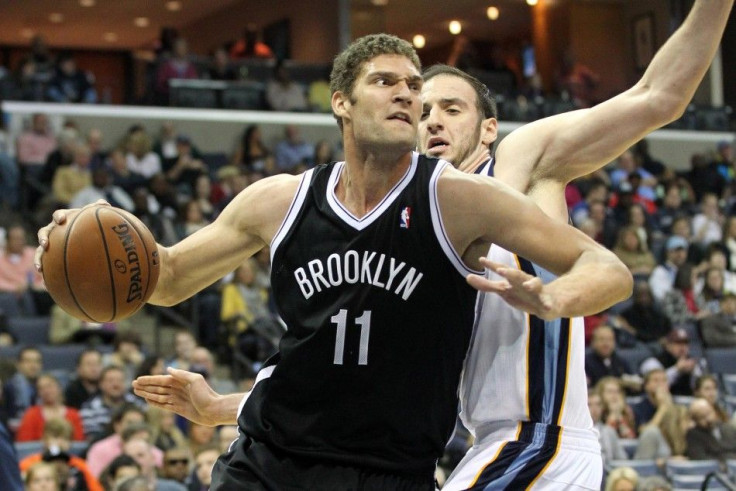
(341,320)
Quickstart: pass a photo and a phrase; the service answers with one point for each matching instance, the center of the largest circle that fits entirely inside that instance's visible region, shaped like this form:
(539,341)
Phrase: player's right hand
(57,218)
(184,393)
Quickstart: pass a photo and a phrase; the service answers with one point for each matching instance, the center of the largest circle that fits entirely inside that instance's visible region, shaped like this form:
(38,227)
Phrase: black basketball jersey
(379,320)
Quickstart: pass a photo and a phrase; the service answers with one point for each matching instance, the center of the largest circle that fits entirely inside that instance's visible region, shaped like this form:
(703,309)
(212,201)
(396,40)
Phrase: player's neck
(368,177)
(470,164)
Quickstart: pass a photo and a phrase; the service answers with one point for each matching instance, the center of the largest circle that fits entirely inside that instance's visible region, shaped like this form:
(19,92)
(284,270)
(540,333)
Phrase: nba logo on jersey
(405,218)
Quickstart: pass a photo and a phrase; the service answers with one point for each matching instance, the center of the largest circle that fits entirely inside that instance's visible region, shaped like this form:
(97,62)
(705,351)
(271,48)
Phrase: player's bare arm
(478,211)
(574,144)
(188,394)
(244,227)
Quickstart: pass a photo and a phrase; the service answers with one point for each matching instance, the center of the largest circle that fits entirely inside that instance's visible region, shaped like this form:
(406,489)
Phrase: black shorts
(253,465)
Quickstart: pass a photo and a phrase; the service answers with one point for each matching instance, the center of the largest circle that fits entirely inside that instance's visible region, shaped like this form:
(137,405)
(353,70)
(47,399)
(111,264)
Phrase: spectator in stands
(165,195)
(184,344)
(252,328)
(97,152)
(41,56)
(249,46)
(706,387)
(191,219)
(9,173)
(203,362)
(19,392)
(709,438)
(127,354)
(165,433)
(122,176)
(65,328)
(85,385)
(28,82)
(671,207)
(147,210)
(292,153)
(712,289)
(704,177)
(603,361)
(70,84)
(34,144)
(200,436)
(228,434)
(663,276)
(165,146)
(682,369)
(203,194)
(323,153)
(220,67)
(51,406)
(71,179)
(643,318)
(42,477)
(708,224)
(176,464)
(122,468)
(628,167)
(151,365)
(719,329)
(9,461)
(681,305)
(21,286)
(62,156)
(665,440)
(128,422)
(97,412)
(252,154)
(616,412)
(143,453)
(183,169)
(633,252)
(595,191)
(622,479)
(282,93)
(576,81)
(204,462)
(102,188)
(657,399)
(179,66)
(724,160)
(140,158)
(57,434)
(611,448)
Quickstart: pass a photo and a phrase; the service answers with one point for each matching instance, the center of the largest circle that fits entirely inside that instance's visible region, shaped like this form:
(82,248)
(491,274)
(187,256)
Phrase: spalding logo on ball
(101,265)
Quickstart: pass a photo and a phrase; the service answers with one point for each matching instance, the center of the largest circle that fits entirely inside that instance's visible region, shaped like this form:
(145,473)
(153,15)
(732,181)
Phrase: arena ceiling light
(110,37)
(455,27)
(87,3)
(493,13)
(56,17)
(173,6)
(532,3)
(418,41)
(141,22)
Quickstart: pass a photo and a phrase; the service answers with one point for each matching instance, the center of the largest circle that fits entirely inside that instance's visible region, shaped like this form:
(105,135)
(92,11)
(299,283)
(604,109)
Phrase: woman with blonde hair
(622,479)
(164,432)
(666,440)
(633,252)
(616,412)
(42,477)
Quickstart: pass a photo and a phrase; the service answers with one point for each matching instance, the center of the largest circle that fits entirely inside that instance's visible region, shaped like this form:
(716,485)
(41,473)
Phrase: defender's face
(384,108)
(450,125)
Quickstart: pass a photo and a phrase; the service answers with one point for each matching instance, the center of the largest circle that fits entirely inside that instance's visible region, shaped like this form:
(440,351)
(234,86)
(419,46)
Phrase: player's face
(451,126)
(383,111)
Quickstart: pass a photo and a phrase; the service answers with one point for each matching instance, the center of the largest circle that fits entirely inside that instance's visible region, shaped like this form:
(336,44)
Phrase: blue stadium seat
(629,445)
(690,467)
(634,356)
(30,330)
(24,449)
(78,448)
(10,353)
(721,360)
(643,467)
(728,381)
(63,375)
(683,400)
(695,482)
(61,357)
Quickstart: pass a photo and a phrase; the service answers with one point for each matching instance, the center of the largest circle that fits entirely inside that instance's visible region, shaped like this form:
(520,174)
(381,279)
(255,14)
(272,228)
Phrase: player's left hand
(517,288)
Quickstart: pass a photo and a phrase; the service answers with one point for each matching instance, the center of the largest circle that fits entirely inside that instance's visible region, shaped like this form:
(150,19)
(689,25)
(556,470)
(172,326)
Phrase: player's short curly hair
(485,103)
(348,64)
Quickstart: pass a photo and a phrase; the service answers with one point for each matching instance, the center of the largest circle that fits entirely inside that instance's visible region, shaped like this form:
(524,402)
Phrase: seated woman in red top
(51,405)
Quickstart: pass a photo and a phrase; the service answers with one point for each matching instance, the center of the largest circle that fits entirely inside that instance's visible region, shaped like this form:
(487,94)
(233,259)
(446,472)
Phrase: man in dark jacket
(719,330)
(709,438)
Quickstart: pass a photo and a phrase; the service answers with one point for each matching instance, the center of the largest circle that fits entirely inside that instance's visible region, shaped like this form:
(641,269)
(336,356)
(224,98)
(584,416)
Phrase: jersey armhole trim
(439,226)
(290,218)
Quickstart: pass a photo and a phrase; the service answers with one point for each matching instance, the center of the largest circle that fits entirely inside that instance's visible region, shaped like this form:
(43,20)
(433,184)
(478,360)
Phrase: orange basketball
(101,265)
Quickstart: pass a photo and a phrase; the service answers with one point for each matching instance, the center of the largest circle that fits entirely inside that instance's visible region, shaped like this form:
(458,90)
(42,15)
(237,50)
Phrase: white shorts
(531,456)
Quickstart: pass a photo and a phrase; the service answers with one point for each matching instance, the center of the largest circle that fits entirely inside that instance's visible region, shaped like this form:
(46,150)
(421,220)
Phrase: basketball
(101,265)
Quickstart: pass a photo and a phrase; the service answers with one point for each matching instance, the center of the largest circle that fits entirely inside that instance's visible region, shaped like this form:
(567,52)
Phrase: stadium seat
(643,467)
(634,356)
(244,95)
(728,380)
(61,357)
(78,448)
(30,330)
(10,353)
(24,449)
(683,400)
(690,467)
(63,375)
(629,445)
(721,360)
(9,305)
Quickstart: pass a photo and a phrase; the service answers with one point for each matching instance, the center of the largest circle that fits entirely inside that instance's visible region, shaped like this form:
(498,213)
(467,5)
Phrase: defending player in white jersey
(523,391)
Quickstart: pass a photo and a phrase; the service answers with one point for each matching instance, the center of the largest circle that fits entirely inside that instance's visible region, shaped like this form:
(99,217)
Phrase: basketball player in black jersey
(539,159)
(369,259)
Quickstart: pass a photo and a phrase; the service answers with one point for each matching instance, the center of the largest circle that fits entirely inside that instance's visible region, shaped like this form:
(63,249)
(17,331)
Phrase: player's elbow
(663,106)
(621,279)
